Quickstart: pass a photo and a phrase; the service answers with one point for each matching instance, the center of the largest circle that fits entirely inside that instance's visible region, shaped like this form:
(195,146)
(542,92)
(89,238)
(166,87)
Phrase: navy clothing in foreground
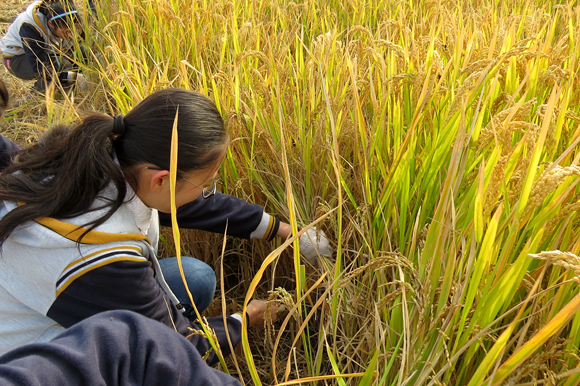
(112,348)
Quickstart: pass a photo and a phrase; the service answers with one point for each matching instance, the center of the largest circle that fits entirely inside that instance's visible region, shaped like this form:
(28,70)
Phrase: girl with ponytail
(79,222)
(30,48)
(157,354)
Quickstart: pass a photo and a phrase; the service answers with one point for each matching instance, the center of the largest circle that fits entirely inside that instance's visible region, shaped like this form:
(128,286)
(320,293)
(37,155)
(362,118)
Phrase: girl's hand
(256,310)
(313,243)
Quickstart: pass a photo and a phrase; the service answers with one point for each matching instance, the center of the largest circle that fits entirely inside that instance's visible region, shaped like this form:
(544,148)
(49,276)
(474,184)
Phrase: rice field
(436,144)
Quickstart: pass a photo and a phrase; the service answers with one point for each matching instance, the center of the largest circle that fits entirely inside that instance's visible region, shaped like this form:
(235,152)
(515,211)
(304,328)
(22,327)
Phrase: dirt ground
(9,9)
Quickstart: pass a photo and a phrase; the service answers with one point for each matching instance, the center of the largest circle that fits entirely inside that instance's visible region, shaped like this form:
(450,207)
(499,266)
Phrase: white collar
(141,212)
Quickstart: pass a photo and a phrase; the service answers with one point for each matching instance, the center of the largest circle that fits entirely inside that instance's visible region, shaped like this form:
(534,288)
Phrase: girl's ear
(158,180)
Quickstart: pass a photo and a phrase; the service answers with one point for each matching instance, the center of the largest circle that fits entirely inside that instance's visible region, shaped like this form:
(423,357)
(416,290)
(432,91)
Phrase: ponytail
(62,175)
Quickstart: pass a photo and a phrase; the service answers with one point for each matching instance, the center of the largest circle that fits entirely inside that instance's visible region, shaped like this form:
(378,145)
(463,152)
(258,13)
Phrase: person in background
(114,348)
(30,48)
(80,220)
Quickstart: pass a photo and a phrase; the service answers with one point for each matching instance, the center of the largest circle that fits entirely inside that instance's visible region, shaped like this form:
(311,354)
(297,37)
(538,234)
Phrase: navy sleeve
(114,348)
(7,150)
(40,55)
(130,285)
(213,213)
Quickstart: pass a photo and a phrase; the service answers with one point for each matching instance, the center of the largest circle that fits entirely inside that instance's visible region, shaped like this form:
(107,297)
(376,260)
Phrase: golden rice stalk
(398,50)
(391,28)
(224,80)
(418,86)
(551,139)
(281,299)
(247,35)
(422,237)
(477,66)
(522,126)
(560,51)
(538,366)
(487,133)
(501,98)
(516,182)
(252,54)
(529,55)
(566,260)
(553,74)
(521,67)
(323,45)
(564,212)
(360,28)
(505,137)
(531,138)
(519,48)
(399,80)
(550,179)
(438,65)
(210,335)
(541,111)
(486,136)
(522,113)
(494,188)
(438,44)
(462,93)
(482,49)
(385,260)
(518,177)
(451,37)
(572,116)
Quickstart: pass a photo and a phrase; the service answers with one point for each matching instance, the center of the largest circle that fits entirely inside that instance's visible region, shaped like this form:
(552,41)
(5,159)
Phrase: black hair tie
(118,125)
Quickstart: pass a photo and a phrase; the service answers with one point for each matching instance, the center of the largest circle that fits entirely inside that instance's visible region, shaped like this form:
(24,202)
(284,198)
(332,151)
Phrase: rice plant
(435,142)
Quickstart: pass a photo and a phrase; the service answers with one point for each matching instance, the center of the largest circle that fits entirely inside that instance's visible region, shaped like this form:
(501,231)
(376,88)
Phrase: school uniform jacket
(49,282)
(30,35)
(114,348)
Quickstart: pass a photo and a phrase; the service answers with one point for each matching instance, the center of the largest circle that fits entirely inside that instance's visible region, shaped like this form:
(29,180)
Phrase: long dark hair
(4,98)
(63,13)
(63,174)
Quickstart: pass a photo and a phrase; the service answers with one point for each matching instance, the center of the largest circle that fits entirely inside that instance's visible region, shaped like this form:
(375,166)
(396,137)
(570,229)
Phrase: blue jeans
(200,279)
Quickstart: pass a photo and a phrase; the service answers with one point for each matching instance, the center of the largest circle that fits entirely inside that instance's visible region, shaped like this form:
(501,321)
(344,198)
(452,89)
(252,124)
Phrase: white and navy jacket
(49,281)
(30,35)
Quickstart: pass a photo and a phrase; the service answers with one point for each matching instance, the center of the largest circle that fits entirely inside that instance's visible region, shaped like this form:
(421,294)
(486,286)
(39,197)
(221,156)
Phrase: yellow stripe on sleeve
(84,258)
(267,234)
(69,281)
(73,232)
